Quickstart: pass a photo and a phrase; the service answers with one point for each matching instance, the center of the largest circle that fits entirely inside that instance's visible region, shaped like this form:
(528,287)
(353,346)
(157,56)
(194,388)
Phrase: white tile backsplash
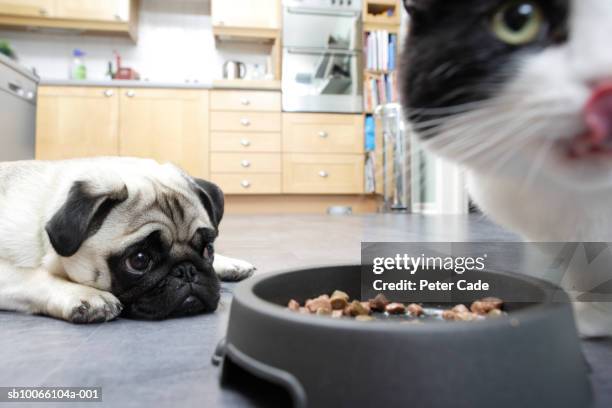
(175,44)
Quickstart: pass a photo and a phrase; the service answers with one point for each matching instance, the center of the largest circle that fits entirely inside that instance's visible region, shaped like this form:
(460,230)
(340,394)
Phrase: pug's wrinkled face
(149,241)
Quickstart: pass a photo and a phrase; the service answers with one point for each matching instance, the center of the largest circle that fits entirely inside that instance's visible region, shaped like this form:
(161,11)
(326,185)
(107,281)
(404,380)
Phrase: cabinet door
(166,125)
(96,10)
(27,8)
(76,122)
(246,13)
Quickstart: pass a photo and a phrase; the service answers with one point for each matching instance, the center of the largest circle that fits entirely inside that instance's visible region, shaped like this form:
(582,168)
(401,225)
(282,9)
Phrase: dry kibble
(294,305)
(338,300)
(339,305)
(415,310)
(496,303)
(449,315)
(324,311)
(460,308)
(379,303)
(366,306)
(321,302)
(465,316)
(339,293)
(355,308)
(395,308)
(484,306)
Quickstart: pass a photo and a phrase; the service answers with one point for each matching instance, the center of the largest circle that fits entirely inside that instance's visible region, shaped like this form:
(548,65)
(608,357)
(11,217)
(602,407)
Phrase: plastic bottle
(370,134)
(78,70)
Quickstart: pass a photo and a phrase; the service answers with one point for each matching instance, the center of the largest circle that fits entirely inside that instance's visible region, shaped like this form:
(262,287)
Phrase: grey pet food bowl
(531,358)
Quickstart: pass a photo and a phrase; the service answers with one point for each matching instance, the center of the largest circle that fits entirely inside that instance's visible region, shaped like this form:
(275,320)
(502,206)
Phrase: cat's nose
(597,115)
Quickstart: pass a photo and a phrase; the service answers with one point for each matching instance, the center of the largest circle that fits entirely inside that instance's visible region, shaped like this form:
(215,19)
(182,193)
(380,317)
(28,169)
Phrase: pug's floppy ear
(212,199)
(81,216)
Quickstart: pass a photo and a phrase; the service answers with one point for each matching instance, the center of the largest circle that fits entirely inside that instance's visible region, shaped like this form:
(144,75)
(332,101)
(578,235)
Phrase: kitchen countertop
(217,84)
(104,83)
(167,363)
(14,65)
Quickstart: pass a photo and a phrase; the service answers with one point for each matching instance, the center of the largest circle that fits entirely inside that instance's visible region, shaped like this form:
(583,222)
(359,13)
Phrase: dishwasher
(18,88)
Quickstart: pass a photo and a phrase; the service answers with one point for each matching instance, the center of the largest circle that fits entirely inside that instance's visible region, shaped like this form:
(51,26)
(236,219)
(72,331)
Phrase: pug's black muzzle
(185,289)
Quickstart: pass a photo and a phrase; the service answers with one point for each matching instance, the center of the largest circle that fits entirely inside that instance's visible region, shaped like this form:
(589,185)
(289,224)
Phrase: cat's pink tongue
(598,118)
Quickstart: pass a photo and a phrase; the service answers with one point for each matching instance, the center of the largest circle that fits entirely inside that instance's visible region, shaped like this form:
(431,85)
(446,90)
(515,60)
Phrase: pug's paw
(232,270)
(92,306)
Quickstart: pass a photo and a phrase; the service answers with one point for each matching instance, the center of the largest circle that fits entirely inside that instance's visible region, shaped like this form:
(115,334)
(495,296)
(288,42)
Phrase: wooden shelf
(393,28)
(382,2)
(377,72)
(271,85)
(246,34)
(375,12)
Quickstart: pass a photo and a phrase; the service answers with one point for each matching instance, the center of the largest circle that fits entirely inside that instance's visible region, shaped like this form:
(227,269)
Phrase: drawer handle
(245,163)
(245,142)
(245,102)
(130,94)
(108,93)
(245,183)
(323,174)
(245,122)
(323,134)
(43,12)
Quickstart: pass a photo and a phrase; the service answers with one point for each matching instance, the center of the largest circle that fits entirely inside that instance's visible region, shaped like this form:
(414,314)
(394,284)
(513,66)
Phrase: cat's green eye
(518,22)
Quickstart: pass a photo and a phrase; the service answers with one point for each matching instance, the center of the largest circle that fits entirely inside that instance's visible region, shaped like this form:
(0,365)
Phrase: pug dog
(86,240)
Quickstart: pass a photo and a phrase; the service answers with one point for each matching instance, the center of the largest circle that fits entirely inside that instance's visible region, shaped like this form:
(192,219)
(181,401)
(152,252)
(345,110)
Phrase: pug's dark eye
(209,251)
(140,261)
(518,22)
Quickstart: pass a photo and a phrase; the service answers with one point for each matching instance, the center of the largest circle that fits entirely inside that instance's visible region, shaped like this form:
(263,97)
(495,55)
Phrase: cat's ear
(417,7)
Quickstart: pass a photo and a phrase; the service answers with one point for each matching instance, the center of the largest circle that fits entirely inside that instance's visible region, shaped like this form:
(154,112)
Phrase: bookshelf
(381,27)
(380,16)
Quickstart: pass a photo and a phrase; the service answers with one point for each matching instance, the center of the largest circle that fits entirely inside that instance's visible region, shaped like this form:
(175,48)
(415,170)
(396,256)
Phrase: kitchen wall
(175,44)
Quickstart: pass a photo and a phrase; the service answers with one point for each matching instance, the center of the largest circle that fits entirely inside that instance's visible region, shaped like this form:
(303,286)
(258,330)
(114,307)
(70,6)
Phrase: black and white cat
(520,94)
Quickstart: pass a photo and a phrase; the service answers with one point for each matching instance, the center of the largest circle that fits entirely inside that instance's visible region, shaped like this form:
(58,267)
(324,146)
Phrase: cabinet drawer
(248,183)
(245,101)
(323,133)
(245,142)
(323,174)
(245,163)
(245,121)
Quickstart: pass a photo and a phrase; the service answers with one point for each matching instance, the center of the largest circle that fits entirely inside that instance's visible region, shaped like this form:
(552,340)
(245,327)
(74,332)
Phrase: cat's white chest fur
(543,211)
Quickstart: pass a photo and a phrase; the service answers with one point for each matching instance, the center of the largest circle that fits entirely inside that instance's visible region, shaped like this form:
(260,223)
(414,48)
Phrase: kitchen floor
(167,364)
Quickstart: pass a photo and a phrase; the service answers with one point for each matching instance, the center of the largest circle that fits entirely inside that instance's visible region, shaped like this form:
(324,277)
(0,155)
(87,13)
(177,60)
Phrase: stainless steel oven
(322,61)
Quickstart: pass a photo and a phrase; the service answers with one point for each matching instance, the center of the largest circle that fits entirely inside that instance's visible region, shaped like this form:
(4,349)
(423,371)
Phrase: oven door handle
(320,51)
(317,12)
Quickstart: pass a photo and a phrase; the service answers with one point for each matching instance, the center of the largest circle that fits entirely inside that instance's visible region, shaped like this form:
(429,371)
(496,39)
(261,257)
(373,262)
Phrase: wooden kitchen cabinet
(322,133)
(246,13)
(77,122)
(323,174)
(99,16)
(107,10)
(166,125)
(28,8)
